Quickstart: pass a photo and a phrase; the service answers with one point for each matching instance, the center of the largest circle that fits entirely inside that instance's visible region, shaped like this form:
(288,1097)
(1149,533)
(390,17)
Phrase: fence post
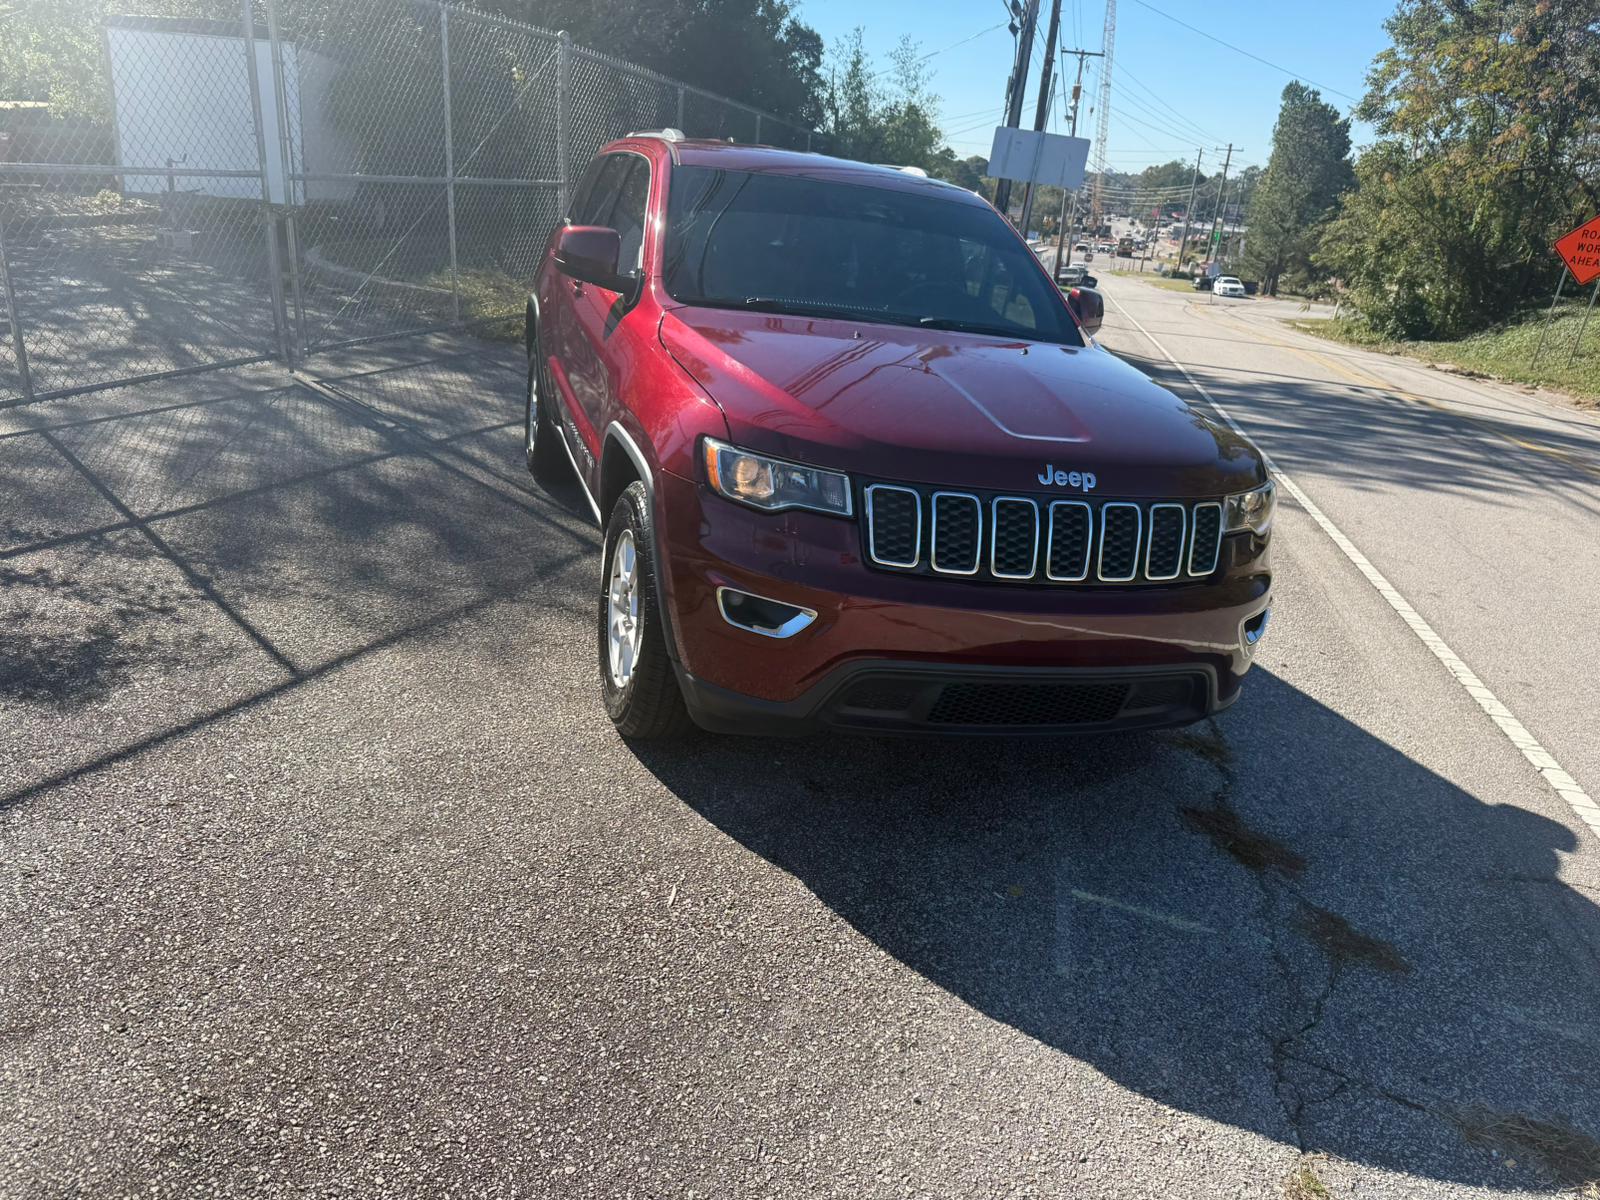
(280,95)
(563,113)
(12,317)
(269,224)
(680,110)
(449,164)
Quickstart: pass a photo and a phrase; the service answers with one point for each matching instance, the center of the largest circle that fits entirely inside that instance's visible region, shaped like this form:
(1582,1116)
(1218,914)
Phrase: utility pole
(1077,94)
(1188,209)
(1221,188)
(1041,113)
(1015,89)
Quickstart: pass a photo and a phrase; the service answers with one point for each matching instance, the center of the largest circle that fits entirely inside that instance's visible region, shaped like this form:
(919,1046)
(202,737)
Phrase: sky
(1172,90)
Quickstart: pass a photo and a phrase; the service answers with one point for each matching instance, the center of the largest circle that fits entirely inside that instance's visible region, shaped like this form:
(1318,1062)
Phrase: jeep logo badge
(1078,479)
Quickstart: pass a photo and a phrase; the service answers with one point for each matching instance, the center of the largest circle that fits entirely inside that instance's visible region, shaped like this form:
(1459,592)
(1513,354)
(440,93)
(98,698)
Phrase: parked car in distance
(1227,285)
(1076,275)
(1202,283)
(860,464)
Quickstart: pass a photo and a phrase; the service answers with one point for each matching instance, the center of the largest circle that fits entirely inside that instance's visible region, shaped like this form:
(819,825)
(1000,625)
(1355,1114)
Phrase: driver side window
(993,283)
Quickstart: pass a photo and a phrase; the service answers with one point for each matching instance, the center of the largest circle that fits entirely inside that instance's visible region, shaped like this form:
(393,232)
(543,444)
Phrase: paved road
(322,872)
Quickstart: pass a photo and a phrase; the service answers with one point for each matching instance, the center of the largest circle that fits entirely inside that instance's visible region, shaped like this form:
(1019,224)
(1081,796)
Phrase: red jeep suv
(860,464)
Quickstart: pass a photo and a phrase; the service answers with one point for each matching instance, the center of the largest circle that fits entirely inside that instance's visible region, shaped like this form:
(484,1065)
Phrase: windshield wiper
(961,326)
(808,308)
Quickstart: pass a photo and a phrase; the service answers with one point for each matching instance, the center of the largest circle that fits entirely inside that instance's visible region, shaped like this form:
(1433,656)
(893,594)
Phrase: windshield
(783,243)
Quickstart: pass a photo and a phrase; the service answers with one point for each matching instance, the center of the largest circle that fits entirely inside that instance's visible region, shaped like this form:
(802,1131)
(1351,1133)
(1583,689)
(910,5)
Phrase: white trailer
(181,99)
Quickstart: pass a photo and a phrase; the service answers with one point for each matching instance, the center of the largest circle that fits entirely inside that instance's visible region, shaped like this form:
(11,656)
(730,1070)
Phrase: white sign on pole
(1030,157)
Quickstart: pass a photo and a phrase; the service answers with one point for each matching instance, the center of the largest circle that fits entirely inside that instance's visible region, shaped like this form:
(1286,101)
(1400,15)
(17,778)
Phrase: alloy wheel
(623,628)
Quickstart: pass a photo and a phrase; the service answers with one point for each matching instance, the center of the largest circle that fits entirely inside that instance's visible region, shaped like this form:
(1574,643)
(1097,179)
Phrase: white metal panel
(185,98)
(1027,156)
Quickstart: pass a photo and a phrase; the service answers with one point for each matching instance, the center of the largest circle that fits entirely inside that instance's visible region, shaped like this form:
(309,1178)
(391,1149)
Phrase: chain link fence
(306,176)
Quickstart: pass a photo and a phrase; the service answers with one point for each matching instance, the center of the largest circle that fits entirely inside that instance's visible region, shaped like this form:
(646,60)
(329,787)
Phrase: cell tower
(1107,42)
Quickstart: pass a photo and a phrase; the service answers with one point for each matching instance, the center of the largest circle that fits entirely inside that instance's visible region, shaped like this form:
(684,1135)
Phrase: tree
(754,51)
(1488,115)
(1165,176)
(51,49)
(1307,172)
(963,172)
(880,116)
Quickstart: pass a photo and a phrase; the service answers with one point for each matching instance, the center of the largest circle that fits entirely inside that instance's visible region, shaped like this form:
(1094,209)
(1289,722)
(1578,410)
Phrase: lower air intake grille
(1028,703)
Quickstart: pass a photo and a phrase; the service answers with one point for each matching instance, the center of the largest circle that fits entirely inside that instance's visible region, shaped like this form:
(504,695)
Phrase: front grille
(1024,539)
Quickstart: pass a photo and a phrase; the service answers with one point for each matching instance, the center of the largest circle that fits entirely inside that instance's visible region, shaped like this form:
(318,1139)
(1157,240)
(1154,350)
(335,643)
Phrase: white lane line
(1179,923)
(1543,761)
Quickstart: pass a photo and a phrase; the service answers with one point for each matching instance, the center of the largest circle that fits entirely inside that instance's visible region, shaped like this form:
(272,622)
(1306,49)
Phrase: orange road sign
(1581,250)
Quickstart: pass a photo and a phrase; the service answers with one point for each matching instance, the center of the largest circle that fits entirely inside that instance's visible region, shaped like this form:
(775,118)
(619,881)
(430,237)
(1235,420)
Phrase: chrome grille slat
(884,520)
(1041,540)
(1004,532)
(962,540)
(1205,546)
(1063,512)
(1114,527)
(1160,541)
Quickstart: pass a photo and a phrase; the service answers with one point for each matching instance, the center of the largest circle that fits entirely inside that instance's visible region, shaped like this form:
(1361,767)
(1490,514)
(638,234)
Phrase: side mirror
(589,253)
(1089,307)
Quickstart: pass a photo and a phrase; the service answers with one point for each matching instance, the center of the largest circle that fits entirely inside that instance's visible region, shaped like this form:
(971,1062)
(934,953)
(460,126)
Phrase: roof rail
(668,134)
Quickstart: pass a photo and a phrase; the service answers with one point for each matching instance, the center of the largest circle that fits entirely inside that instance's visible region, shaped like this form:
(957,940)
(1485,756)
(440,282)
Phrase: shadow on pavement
(1294,928)
(170,555)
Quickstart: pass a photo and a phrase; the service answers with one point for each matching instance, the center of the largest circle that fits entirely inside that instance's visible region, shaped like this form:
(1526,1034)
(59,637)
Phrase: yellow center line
(1368,380)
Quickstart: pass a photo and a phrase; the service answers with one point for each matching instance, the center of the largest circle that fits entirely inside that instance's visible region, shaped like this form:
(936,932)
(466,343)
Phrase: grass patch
(1169,285)
(1569,1156)
(1305,1185)
(1503,354)
(487,294)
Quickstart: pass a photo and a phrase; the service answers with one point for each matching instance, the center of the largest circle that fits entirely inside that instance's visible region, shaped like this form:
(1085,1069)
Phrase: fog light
(1255,627)
(758,614)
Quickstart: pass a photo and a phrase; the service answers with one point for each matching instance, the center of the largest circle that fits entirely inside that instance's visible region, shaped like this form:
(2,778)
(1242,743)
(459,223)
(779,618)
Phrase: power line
(962,42)
(1264,62)
(1182,117)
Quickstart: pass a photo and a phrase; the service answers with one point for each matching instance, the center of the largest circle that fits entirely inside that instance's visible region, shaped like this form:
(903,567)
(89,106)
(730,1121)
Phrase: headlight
(773,484)
(1251,510)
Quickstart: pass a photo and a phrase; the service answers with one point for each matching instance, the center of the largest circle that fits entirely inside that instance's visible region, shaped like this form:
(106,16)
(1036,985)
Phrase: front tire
(636,676)
(538,433)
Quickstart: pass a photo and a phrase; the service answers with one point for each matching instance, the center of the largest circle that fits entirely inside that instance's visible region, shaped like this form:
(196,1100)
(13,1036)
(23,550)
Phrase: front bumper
(945,654)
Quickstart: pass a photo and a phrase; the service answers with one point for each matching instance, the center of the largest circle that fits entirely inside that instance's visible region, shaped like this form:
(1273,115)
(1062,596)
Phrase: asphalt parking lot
(325,874)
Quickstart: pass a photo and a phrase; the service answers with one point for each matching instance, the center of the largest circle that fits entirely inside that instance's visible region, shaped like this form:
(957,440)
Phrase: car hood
(954,409)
